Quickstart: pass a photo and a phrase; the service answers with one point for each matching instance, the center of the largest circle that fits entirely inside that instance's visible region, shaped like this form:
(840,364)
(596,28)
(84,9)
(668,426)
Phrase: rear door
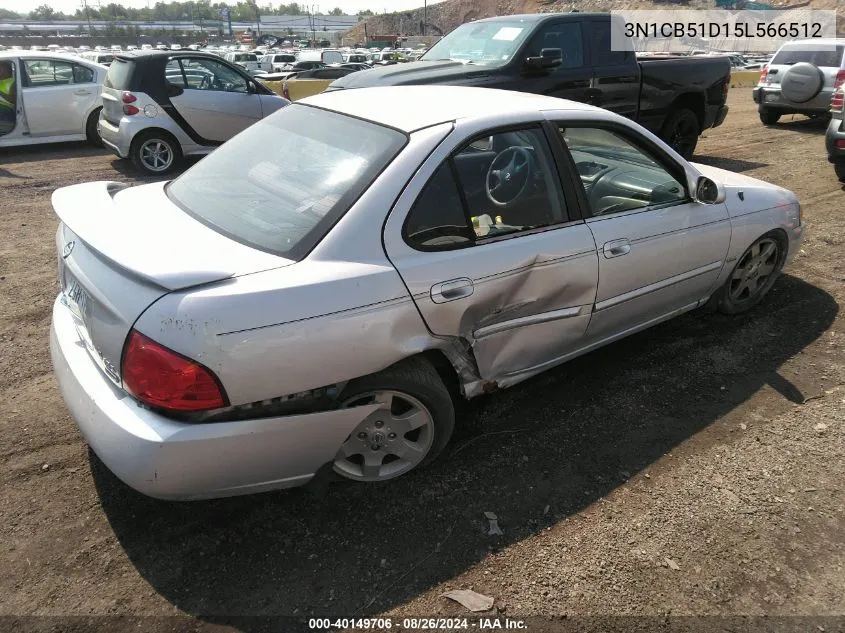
(615,83)
(494,253)
(216,101)
(57,96)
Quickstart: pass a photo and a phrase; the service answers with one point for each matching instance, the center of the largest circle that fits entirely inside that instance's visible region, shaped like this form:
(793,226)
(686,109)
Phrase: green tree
(336,11)
(5,14)
(43,12)
(365,13)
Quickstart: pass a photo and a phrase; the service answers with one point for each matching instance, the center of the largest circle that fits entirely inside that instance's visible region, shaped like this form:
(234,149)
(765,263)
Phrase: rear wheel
(91,132)
(839,168)
(681,132)
(753,276)
(769,116)
(155,152)
(410,428)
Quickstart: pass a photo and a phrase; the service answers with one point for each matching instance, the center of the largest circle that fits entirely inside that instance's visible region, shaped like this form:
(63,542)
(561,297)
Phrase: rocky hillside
(442,17)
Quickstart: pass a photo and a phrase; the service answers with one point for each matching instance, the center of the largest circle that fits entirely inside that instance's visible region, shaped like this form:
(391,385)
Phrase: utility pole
(425,15)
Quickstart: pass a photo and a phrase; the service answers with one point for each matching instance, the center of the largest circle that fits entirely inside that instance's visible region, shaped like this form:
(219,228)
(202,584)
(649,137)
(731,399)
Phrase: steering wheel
(508,176)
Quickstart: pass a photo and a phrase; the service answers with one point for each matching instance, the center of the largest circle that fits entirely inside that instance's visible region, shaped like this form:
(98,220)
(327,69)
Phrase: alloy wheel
(156,155)
(392,440)
(754,272)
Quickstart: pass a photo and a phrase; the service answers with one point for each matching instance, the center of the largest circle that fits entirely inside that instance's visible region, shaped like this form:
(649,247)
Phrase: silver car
(800,79)
(160,106)
(322,288)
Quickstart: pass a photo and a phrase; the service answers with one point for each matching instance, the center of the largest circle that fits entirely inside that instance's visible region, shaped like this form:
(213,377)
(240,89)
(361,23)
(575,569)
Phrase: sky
(348,6)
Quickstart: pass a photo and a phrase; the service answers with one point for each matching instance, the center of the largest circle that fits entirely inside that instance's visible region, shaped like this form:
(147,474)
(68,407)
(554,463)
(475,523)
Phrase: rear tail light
(128,98)
(725,89)
(163,379)
(840,79)
(838,101)
(840,143)
(763,74)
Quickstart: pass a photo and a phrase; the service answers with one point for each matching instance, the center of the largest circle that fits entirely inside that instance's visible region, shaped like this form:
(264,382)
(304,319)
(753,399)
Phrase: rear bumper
(771,97)
(115,137)
(835,132)
(715,116)
(171,460)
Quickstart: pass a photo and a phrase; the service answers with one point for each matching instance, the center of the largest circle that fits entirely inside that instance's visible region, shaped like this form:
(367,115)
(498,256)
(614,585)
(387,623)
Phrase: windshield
(282,184)
(246,57)
(816,55)
(487,43)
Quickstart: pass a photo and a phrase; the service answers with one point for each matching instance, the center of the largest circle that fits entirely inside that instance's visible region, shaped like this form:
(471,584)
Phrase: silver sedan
(321,289)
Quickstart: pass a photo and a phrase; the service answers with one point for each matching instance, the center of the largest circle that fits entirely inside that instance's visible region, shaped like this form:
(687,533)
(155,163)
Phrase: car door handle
(451,290)
(82,92)
(617,248)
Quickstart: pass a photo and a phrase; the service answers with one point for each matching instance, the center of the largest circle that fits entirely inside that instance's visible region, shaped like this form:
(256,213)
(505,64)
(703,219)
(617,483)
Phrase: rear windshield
(105,59)
(119,75)
(282,184)
(288,59)
(246,57)
(829,56)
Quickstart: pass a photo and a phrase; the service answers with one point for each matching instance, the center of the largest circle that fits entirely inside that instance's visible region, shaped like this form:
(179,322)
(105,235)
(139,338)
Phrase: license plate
(77,300)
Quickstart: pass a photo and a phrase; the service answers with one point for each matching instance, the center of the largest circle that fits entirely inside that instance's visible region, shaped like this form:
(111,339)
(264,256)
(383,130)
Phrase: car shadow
(534,455)
(126,168)
(736,165)
(802,124)
(57,151)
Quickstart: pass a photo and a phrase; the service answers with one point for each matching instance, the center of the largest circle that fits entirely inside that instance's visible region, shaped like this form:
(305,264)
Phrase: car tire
(92,134)
(155,152)
(681,132)
(839,168)
(732,297)
(769,116)
(386,444)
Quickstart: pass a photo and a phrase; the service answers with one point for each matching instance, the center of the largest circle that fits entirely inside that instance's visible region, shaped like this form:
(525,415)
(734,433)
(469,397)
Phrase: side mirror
(174,91)
(709,192)
(549,58)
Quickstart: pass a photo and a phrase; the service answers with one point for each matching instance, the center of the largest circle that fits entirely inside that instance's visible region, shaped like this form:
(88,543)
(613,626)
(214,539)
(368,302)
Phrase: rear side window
(603,55)
(120,74)
(811,54)
(280,185)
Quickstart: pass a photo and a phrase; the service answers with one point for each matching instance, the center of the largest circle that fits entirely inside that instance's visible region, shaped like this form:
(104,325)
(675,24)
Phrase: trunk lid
(119,78)
(120,249)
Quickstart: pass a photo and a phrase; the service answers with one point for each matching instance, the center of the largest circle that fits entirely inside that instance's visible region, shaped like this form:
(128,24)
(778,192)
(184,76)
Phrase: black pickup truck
(569,55)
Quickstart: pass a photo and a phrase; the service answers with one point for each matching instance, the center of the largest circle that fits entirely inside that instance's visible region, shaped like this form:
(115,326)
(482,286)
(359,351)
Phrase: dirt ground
(694,469)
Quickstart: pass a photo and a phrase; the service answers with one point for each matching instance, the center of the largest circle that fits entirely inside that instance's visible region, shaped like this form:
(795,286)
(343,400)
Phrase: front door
(57,95)
(659,251)
(570,80)
(494,253)
(216,102)
(8,96)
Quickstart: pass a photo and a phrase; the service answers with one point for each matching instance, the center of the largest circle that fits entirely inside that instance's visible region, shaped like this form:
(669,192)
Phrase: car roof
(815,42)
(399,106)
(46,54)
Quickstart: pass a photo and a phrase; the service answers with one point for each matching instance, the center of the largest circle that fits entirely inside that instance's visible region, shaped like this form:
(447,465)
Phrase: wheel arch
(693,101)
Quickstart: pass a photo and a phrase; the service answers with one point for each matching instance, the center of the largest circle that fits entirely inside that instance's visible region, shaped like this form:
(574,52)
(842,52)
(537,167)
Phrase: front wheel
(753,276)
(410,428)
(681,132)
(769,116)
(155,152)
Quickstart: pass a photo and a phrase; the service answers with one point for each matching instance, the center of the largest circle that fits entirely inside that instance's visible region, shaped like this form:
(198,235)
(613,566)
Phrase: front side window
(209,74)
(280,185)
(618,174)
(499,184)
(566,37)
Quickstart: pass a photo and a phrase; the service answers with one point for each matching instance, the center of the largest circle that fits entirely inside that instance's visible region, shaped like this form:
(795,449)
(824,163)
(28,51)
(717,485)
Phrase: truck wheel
(681,132)
(769,116)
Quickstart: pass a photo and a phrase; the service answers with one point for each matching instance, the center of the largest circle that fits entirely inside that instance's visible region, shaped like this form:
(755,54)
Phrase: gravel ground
(694,469)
